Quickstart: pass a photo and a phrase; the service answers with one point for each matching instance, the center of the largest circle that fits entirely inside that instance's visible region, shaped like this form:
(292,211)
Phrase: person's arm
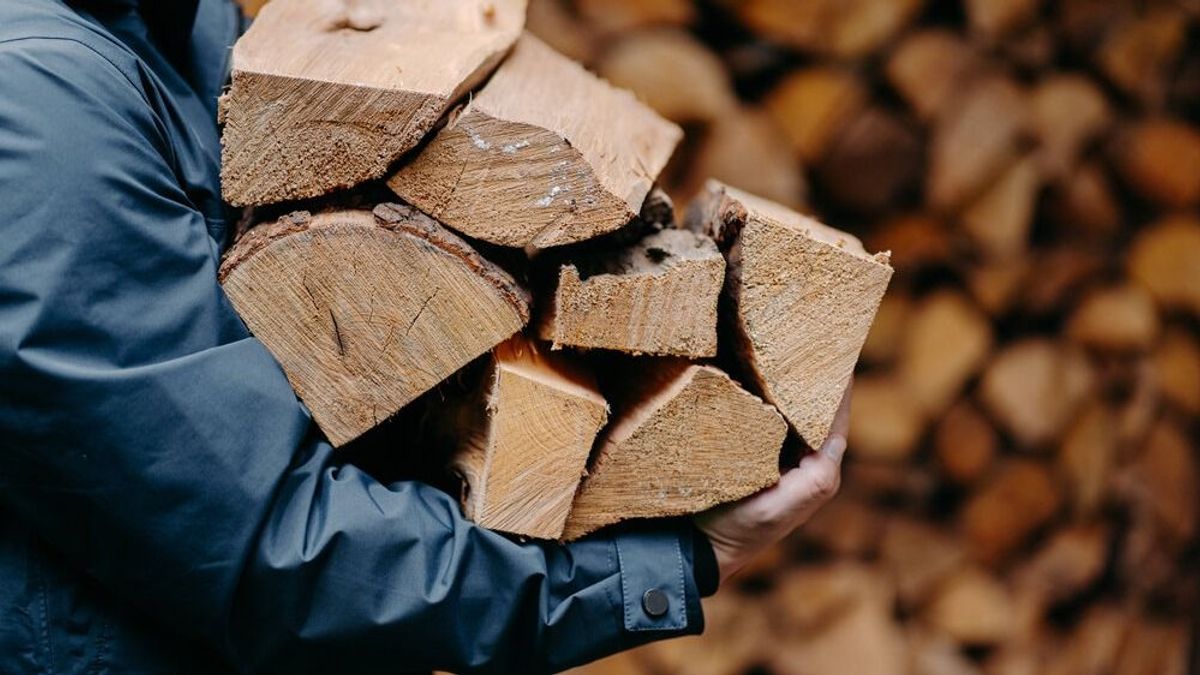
(148,437)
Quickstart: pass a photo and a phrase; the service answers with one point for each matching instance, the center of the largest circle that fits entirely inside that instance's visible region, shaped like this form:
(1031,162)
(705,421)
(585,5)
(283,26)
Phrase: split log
(1055,277)
(1117,319)
(1000,517)
(1033,49)
(1163,479)
(803,296)
(1067,112)
(325,95)
(1154,646)
(1067,565)
(365,311)
(546,154)
(1094,644)
(873,162)
(684,438)
(999,220)
(996,19)
(1137,54)
(1034,387)
(975,140)
(973,608)
(829,27)
(1160,159)
(1087,457)
(804,599)
(812,104)
(929,69)
(656,297)
(885,422)
(1163,260)
(533,428)
(920,557)
(747,149)
(946,344)
(673,72)
(965,444)
(1176,364)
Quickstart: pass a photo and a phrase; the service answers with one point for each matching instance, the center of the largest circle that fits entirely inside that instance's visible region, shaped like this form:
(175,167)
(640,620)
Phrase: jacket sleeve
(146,435)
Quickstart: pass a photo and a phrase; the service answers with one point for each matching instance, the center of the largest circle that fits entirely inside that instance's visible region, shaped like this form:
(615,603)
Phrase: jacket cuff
(658,583)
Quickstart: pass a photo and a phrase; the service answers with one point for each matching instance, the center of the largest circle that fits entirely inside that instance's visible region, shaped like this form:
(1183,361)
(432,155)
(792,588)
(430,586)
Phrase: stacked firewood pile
(1020,494)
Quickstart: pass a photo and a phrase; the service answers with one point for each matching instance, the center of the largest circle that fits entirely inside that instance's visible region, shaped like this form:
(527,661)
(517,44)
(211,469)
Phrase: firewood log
(745,148)
(684,437)
(656,297)
(996,284)
(1163,479)
(553,23)
(1154,646)
(964,444)
(674,73)
(1066,113)
(365,311)
(812,105)
(874,161)
(829,27)
(916,240)
(803,296)
(615,16)
(946,344)
(999,219)
(929,69)
(973,608)
(1056,276)
(848,526)
(1117,318)
(1067,565)
(885,422)
(1021,499)
(891,323)
(920,557)
(1160,159)
(1163,260)
(995,19)
(1034,387)
(526,450)
(1087,457)
(974,140)
(545,154)
(326,95)
(1084,201)
(1094,644)
(1176,364)
(1136,54)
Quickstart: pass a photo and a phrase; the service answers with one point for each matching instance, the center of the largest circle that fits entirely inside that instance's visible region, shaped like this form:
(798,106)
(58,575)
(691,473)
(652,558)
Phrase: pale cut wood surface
(523,463)
(658,296)
(367,310)
(326,94)
(803,299)
(684,438)
(546,154)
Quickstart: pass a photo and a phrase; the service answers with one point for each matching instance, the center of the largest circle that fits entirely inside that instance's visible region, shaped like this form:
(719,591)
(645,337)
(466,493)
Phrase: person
(166,504)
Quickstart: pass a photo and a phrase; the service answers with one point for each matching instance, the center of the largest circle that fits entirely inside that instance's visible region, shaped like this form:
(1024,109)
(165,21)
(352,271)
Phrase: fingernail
(834,447)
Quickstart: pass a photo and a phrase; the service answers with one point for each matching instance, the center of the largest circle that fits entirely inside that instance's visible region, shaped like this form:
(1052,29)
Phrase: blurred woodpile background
(1020,494)
(1020,491)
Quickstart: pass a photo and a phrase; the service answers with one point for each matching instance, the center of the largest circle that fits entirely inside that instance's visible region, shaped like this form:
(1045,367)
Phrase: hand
(741,530)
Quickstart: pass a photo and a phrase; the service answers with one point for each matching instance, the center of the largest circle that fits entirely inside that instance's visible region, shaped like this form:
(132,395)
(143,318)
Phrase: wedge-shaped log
(527,447)
(657,297)
(803,296)
(326,94)
(684,438)
(545,154)
(365,311)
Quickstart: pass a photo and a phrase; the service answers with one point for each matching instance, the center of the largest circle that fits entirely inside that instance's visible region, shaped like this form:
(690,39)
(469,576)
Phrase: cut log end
(656,297)
(535,160)
(687,439)
(364,310)
(803,297)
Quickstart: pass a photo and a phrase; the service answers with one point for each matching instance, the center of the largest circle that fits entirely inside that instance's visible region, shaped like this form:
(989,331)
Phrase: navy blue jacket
(165,502)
